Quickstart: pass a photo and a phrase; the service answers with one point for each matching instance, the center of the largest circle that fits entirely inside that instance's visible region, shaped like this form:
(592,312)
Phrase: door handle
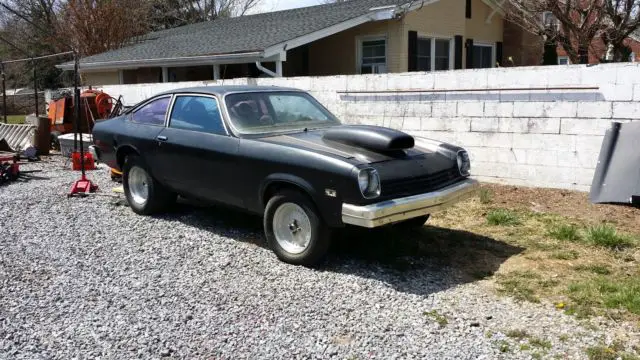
(162,138)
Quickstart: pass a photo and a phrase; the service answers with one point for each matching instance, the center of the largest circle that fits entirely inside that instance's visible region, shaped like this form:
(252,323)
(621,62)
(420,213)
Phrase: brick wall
(516,129)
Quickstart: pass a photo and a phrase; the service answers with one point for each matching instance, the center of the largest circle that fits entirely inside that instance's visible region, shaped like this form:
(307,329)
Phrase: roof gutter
(167,62)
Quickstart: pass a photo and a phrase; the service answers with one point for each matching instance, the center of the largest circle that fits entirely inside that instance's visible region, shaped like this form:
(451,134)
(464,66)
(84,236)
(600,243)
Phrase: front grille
(421,184)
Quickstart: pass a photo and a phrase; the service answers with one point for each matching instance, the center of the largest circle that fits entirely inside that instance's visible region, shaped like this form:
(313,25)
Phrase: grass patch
(485,196)
(503,217)
(525,347)
(599,269)
(565,255)
(13,119)
(517,334)
(607,236)
(540,343)
(565,232)
(608,353)
(564,337)
(607,293)
(520,285)
(437,317)
(504,346)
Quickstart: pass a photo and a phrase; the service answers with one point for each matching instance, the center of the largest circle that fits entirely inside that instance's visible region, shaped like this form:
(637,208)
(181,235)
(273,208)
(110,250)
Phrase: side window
(291,108)
(152,113)
(198,113)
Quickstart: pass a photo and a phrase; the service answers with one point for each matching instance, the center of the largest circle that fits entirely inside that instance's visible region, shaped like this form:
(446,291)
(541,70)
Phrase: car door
(201,153)
(142,128)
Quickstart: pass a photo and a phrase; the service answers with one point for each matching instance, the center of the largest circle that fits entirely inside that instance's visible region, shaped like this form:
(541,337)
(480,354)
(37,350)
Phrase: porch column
(165,74)
(120,77)
(216,72)
(279,68)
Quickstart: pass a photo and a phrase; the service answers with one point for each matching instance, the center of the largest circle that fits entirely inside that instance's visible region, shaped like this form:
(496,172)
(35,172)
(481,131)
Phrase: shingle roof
(240,34)
(635,35)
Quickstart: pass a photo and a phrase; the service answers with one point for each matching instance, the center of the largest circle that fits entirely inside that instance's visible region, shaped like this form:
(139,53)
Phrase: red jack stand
(83,187)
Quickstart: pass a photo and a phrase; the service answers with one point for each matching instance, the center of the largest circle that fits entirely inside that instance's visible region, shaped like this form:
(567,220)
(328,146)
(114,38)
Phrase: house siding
(100,78)
(336,54)
(477,27)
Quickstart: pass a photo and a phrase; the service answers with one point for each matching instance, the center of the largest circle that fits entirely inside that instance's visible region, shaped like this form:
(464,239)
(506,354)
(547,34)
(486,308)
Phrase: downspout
(265,70)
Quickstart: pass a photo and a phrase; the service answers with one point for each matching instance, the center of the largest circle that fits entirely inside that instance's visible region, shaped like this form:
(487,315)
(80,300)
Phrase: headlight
(369,182)
(464,165)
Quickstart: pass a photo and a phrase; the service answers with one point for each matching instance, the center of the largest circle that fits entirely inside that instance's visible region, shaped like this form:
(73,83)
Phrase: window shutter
(469,46)
(413,51)
(468,9)
(499,55)
(457,53)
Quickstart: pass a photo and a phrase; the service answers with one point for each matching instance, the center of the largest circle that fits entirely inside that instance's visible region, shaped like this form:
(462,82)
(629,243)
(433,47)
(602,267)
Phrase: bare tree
(623,18)
(172,13)
(95,26)
(573,24)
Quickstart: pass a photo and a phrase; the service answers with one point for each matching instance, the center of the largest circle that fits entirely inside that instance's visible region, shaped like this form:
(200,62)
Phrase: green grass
(608,293)
(607,236)
(517,334)
(565,232)
(485,196)
(503,217)
(565,255)
(608,353)
(540,343)
(437,317)
(599,269)
(13,119)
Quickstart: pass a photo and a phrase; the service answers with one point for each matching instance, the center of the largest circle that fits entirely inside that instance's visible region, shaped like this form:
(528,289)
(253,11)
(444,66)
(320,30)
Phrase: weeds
(565,232)
(608,353)
(607,236)
(517,334)
(439,318)
(607,293)
(540,343)
(594,268)
(502,217)
(485,196)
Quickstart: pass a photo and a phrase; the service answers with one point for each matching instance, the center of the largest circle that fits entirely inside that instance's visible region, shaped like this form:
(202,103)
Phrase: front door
(199,153)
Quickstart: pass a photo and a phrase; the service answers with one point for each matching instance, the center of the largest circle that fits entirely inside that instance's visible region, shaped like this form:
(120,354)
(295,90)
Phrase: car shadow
(418,261)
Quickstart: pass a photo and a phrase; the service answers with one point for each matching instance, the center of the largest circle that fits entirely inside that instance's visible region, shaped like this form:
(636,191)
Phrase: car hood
(315,140)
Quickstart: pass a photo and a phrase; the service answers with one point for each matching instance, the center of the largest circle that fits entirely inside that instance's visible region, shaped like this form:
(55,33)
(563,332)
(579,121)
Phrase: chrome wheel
(292,228)
(138,182)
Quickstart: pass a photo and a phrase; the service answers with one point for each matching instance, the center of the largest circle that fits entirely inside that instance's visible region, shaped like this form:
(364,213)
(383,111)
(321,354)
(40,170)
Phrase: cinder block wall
(533,126)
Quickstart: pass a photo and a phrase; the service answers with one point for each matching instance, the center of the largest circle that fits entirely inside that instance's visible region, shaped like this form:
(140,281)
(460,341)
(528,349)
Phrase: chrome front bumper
(395,210)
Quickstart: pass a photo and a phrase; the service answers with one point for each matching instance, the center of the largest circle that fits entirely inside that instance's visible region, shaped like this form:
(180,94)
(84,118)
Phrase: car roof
(223,90)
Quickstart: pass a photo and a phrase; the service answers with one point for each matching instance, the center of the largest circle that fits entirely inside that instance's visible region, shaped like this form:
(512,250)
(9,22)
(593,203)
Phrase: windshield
(264,112)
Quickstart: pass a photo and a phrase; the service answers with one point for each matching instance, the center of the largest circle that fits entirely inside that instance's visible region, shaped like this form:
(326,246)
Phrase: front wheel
(294,229)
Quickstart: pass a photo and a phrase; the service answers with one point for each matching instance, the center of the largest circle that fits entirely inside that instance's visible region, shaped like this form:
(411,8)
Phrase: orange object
(89,162)
(94,105)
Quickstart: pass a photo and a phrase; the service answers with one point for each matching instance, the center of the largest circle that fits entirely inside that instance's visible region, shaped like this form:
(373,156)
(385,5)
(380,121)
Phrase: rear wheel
(294,229)
(411,224)
(145,195)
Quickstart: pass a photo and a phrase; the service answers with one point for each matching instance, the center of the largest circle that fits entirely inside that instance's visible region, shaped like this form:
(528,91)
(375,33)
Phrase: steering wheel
(266,120)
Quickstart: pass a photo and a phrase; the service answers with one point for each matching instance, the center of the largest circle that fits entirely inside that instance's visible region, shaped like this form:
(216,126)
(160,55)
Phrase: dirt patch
(567,203)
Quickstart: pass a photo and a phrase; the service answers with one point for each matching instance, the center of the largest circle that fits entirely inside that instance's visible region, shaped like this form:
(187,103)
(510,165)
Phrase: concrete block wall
(532,126)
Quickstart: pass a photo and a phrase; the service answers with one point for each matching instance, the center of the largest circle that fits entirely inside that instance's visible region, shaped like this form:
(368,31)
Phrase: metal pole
(76,104)
(76,85)
(35,87)
(4,94)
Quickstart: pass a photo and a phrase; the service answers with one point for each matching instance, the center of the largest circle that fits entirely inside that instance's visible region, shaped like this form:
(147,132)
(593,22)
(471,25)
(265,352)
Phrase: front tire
(144,194)
(295,230)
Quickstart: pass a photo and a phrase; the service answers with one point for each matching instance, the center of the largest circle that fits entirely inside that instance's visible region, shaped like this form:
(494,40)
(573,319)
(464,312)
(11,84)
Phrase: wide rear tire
(145,195)
(295,230)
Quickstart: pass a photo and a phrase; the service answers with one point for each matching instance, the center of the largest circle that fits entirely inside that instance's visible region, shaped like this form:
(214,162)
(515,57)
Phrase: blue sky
(273,5)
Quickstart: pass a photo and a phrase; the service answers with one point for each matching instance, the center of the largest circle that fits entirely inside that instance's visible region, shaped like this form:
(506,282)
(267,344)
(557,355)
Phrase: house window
(563,60)
(482,56)
(434,54)
(373,56)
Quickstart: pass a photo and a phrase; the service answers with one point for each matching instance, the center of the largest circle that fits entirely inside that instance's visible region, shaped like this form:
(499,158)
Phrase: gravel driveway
(86,278)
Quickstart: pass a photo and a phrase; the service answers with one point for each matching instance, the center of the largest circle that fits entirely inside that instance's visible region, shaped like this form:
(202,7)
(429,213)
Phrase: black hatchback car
(279,153)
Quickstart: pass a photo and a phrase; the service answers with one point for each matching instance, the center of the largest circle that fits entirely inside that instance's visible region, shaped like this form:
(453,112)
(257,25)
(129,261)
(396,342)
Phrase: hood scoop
(370,137)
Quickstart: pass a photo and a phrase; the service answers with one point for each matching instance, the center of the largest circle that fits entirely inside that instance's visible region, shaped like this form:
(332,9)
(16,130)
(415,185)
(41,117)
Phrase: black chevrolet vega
(279,153)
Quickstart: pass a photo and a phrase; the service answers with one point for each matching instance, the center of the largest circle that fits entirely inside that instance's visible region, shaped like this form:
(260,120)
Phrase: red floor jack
(83,186)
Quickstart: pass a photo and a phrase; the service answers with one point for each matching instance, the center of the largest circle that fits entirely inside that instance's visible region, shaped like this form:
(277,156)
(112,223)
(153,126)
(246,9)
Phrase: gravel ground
(87,278)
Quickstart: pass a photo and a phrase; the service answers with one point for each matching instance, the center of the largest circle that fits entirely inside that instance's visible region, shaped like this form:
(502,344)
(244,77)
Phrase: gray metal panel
(617,176)
(19,137)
